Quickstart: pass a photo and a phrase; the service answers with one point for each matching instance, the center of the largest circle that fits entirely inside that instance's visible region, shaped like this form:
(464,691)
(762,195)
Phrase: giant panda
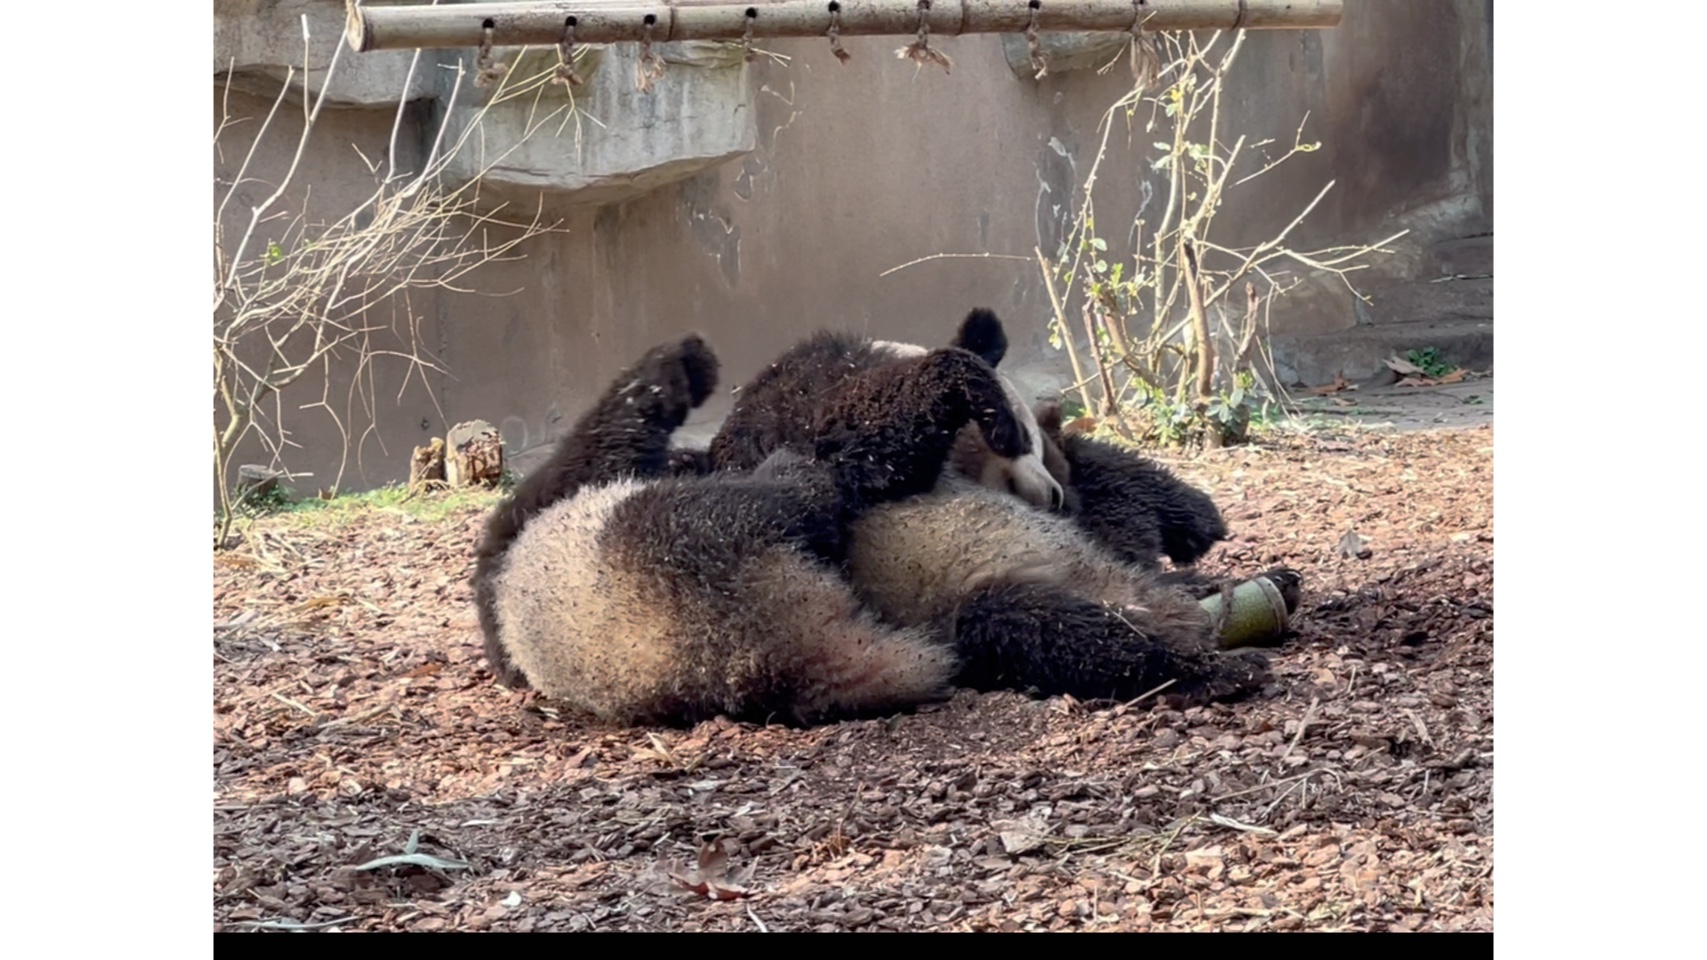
(643,597)
(773,410)
(1028,597)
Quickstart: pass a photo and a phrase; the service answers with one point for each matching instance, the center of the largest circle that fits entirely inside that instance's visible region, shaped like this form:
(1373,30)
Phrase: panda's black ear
(981,333)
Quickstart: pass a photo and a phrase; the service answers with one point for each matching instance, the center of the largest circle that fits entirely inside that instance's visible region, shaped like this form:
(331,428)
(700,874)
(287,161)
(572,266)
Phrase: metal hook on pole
(919,51)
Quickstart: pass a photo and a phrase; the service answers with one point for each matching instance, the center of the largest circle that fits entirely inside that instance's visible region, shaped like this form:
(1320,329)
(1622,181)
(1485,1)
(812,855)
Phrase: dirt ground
(354,721)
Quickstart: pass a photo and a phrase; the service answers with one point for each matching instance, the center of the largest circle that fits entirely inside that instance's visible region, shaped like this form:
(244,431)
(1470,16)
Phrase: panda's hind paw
(680,375)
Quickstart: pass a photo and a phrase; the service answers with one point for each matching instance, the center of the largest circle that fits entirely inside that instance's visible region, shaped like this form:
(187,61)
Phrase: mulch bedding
(355,721)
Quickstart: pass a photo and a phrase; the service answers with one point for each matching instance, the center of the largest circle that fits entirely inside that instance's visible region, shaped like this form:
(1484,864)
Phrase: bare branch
(301,308)
(953,256)
(1178,280)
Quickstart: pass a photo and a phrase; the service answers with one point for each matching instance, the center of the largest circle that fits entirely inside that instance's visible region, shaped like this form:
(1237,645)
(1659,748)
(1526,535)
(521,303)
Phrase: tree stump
(427,466)
(256,484)
(474,454)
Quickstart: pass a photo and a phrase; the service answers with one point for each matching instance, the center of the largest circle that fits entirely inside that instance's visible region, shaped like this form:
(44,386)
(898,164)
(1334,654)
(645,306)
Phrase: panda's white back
(556,592)
(599,625)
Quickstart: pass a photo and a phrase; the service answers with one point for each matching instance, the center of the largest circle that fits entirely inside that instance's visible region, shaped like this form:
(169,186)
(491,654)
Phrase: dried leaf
(710,876)
(1352,547)
(1020,836)
(713,861)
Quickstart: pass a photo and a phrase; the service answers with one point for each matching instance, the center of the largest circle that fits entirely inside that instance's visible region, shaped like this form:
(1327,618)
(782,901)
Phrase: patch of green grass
(429,505)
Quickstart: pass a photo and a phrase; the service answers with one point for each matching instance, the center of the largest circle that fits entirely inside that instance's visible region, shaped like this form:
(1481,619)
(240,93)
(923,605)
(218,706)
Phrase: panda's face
(1026,476)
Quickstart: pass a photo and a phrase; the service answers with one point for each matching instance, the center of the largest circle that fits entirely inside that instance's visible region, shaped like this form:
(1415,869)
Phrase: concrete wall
(856,169)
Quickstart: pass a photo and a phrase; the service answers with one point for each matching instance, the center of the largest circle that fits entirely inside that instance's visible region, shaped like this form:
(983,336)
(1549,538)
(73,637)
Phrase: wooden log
(474,454)
(427,465)
(620,21)
(257,484)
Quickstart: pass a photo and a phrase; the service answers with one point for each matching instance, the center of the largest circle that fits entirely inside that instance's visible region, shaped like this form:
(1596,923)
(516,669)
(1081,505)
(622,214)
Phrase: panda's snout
(1031,480)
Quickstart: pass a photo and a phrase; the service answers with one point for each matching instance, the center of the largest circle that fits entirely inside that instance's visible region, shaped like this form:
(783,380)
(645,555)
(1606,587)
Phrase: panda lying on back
(628,600)
(642,597)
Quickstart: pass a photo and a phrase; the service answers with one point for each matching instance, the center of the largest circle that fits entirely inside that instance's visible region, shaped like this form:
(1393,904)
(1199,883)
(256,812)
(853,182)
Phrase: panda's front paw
(992,409)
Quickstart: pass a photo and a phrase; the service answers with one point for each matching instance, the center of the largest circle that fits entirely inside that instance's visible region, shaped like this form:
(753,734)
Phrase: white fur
(900,351)
(1031,478)
(776,632)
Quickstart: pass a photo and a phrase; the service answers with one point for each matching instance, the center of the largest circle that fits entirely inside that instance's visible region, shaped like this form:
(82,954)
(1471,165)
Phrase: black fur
(1131,505)
(1040,636)
(626,433)
(885,429)
(685,530)
(687,461)
(779,407)
(981,332)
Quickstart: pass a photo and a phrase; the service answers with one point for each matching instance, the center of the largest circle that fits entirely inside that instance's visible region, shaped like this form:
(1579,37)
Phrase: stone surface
(609,141)
(258,42)
(1359,354)
(618,142)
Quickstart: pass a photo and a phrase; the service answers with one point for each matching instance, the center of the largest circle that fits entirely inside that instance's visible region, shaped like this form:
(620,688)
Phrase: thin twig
(952,256)
(288,924)
(1304,724)
(1150,692)
(1061,325)
(292,703)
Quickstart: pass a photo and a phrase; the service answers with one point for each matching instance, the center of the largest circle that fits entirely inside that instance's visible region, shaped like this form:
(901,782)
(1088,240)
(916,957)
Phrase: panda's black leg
(1136,507)
(889,432)
(1190,581)
(714,523)
(1024,635)
(626,433)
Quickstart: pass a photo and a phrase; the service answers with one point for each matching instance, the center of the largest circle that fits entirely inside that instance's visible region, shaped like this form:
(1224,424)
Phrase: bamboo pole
(619,21)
